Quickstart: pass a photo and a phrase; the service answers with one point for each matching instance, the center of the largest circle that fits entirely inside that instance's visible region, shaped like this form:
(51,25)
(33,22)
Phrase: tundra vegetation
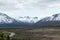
(30,34)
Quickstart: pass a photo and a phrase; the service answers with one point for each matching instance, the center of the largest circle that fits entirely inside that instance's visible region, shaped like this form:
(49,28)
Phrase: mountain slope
(6,21)
(53,21)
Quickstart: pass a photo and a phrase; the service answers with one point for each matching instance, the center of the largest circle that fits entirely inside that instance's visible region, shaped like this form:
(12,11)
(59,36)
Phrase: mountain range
(27,22)
(6,21)
(28,19)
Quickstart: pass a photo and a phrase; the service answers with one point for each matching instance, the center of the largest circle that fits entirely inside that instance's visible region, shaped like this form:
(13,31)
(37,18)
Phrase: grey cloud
(26,4)
(37,3)
(7,5)
(46,3)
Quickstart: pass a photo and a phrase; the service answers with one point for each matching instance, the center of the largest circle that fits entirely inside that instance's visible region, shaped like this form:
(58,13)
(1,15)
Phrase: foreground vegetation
(30,34)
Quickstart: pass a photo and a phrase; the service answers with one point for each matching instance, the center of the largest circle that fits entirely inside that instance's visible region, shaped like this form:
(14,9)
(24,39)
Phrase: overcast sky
(40,8)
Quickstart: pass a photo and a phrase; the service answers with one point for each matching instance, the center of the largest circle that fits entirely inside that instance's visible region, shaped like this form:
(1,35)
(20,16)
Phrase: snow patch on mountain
(5,19)
(28,19)
(55,17)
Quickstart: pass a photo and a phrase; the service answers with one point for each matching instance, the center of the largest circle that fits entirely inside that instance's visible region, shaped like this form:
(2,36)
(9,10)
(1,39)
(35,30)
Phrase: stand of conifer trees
(4,36)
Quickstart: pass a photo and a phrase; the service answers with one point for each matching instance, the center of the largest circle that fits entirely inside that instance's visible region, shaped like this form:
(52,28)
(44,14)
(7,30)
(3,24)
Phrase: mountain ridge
(49,22)
(6,21)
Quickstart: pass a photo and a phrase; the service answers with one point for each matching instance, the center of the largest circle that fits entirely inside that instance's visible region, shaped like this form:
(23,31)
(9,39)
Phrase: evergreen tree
(8,38)
(3,36)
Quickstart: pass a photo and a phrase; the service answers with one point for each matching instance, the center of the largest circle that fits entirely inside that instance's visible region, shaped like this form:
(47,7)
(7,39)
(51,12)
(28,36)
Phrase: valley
(34,34)
(29,19)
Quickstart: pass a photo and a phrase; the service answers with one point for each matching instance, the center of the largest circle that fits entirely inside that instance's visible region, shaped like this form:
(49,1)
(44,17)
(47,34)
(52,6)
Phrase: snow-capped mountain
(6,19)
(52,21)
(55,17)
(28,19)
